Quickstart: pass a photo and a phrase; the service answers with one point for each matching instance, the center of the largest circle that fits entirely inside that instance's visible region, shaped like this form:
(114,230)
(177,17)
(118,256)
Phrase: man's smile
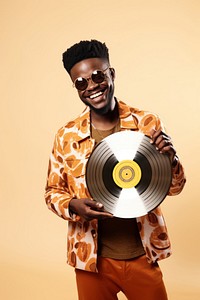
(96,95)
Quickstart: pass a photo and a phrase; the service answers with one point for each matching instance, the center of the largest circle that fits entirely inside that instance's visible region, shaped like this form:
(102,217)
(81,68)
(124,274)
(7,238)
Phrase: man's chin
(100,111)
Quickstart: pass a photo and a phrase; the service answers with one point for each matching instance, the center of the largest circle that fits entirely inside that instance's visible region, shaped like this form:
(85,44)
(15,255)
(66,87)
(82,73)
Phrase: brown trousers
(136,278)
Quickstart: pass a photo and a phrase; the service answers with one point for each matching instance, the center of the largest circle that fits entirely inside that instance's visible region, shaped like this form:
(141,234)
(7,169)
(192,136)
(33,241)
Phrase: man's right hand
(88,209)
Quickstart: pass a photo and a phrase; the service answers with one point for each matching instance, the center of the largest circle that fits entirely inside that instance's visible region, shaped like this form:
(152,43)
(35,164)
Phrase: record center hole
(126,175)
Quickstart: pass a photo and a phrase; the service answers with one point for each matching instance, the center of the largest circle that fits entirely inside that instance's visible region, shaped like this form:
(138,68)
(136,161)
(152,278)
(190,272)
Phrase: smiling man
(109,254)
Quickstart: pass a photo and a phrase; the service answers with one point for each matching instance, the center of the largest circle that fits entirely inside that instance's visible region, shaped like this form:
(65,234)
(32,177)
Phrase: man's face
(98,96)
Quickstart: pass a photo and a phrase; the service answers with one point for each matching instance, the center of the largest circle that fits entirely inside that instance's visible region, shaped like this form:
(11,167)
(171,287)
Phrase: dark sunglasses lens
(98,76)
(81,84)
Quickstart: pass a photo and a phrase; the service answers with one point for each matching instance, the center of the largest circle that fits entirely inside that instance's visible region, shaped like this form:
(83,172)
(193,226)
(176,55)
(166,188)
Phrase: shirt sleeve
(178,178)
(178,174)
(57,194)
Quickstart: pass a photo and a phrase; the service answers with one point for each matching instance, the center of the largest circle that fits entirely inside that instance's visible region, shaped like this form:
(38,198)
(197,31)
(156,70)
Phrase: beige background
(155,49)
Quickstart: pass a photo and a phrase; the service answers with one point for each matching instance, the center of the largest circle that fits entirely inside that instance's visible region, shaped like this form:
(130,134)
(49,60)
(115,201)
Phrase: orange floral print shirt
(66,180)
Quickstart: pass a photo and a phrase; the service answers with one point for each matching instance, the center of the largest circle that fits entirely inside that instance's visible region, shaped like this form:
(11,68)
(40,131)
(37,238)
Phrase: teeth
(96,95)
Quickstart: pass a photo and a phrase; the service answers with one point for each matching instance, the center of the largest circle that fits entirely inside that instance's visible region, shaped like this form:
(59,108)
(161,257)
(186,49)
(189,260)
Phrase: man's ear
(112,72)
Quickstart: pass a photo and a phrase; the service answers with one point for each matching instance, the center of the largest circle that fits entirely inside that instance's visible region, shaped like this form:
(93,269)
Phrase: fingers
(163,143)
(89,209)
(94,204)
(92,214)
(157,136)
(96,211)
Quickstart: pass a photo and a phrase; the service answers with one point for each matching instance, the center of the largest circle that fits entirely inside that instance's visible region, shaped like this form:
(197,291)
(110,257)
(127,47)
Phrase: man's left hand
(163,143)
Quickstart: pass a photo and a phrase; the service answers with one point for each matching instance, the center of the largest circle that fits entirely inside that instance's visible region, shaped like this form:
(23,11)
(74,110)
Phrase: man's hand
(163,143)
(88,209)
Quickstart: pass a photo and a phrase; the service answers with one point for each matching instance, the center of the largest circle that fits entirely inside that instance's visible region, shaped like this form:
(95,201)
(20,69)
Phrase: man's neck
(105,121)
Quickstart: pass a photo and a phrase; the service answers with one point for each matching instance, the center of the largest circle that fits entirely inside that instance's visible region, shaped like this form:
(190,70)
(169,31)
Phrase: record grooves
(128,175)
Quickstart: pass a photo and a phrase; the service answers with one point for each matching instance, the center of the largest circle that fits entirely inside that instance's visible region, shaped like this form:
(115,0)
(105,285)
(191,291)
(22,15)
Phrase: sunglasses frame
(90,78)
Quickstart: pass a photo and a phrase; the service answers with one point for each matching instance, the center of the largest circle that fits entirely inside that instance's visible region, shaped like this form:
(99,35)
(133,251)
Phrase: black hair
(84,50)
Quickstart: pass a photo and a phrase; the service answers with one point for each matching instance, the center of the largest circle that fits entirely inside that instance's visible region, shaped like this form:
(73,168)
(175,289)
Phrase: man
(109,254)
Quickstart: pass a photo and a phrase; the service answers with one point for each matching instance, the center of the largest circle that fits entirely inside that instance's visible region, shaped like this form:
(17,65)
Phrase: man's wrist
(71,210)
(175,161)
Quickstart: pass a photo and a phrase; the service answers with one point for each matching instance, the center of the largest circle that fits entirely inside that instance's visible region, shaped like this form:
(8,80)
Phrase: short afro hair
(84,50)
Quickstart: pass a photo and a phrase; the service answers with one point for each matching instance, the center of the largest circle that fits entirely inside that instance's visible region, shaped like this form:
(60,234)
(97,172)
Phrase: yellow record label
(127,174)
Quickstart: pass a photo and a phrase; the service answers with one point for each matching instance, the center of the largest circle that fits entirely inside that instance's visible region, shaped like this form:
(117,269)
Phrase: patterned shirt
(66,180)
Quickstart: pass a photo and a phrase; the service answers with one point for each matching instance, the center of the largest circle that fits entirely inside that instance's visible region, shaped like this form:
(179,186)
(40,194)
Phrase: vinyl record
(128,175)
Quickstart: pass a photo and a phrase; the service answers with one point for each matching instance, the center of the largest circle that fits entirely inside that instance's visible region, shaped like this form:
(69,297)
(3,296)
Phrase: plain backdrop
(155,50)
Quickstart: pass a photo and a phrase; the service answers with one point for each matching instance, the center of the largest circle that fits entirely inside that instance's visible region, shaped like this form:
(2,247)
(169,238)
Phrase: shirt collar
(127,120)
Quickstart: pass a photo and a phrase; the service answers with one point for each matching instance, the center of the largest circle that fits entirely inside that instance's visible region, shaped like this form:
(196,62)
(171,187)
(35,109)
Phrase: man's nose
(91,84)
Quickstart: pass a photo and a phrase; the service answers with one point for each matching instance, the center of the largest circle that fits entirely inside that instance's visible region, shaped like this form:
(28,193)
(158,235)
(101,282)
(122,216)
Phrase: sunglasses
(97,76)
